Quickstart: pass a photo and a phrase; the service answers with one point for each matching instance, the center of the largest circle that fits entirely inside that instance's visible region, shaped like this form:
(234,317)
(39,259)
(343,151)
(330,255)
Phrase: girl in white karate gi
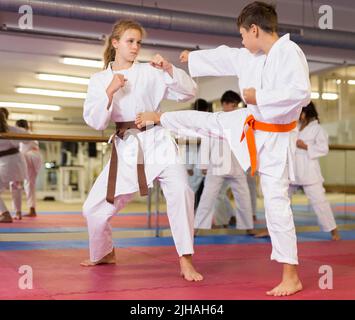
(33,158)
(12,169)
(274,77)
(312,143)
(118,93)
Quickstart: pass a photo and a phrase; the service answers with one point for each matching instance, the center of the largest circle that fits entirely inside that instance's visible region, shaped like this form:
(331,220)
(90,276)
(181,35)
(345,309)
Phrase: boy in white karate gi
(274,79)
(224,167)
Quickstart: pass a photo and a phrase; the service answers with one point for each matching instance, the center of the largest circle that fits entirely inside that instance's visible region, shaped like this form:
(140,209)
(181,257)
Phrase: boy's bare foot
(290,283)
(187,269)
(250,232)
(335,234)
(32,213)
(262,234)
(222,226)
(18,215)
(5,217)
(108,259)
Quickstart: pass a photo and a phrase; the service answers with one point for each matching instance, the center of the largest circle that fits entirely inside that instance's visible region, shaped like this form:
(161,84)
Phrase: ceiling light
(314,95)
(83,62)
(329,96)
(351,82)
(52,93)
(62,78)
(29,106)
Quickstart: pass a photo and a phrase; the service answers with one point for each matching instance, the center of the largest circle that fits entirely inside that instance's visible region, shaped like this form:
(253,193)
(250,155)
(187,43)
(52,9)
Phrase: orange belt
(121,128)
(248,133)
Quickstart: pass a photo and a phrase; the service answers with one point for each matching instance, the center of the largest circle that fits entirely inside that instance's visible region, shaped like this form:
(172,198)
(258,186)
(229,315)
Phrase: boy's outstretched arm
(189,123)
(221,61)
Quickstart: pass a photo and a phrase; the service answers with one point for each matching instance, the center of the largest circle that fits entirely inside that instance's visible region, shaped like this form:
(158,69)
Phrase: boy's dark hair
(202,105)
(5,112)
(3,122)
(22,123)
(259,13)
(310,112)
(230,97)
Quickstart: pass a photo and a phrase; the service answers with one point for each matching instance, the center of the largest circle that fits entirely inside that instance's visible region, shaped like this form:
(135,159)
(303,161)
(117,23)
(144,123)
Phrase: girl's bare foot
(187,269)
(335,234)
(18,215)
(5,217)
(290,283)
(32,213)
(108,259)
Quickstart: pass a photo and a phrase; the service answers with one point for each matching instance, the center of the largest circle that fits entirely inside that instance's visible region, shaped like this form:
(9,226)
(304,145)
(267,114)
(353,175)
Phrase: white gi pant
(316,196)
(3,207)
(252,190)
(279,217)
(240,189)
(34,162)
(180,209)
(16,192)
(223,208)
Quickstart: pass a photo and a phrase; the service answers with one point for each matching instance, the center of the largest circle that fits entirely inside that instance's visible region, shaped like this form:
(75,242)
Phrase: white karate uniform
(12,170)
(193,162)
(224,167)
(146,86)
(281,80)
(33,158)
(308,174)
(223,208)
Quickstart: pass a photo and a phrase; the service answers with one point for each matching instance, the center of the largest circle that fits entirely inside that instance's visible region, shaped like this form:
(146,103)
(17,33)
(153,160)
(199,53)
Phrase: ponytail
(109,53)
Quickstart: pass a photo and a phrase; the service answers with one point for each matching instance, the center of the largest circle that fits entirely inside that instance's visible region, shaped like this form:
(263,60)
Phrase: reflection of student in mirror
(12,169)
(33,158)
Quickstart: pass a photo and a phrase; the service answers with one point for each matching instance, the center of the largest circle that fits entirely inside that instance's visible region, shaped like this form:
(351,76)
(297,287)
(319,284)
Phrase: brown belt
(121,128)
(8,152)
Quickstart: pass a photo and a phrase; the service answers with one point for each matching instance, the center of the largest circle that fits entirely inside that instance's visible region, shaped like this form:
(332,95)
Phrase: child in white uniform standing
(138,157)
(33,158)
(311,144)
(274,79)
(12,169)
(225,167)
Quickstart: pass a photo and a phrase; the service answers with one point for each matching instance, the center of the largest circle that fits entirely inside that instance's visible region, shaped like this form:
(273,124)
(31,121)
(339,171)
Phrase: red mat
(231,272)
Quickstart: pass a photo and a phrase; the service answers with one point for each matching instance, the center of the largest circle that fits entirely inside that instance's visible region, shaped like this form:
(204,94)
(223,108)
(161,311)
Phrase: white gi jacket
(145,88)
(307,169)
(281,80)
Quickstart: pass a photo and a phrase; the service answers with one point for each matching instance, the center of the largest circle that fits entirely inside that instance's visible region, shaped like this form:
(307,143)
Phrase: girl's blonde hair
(117,31)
